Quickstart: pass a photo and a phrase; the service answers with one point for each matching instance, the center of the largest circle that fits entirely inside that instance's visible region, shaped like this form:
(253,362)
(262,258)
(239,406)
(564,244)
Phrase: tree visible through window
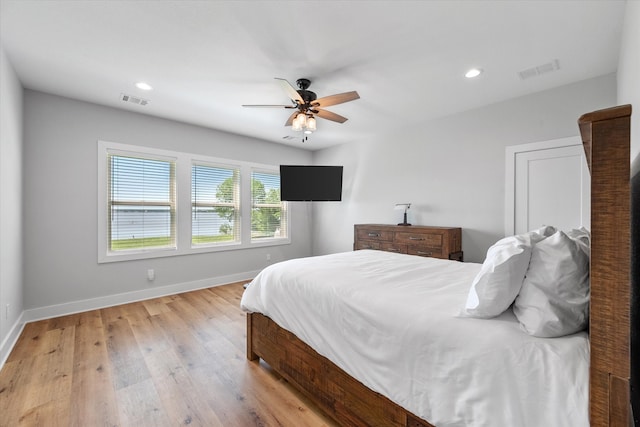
(268,216)
(215,206)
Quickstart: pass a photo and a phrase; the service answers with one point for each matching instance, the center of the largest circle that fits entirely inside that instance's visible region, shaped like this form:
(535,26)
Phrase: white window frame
(184,162)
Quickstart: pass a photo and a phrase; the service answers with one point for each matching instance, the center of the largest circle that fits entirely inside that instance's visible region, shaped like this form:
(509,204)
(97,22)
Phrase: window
(156,203)
(268,213)
(142,203)
(215,205)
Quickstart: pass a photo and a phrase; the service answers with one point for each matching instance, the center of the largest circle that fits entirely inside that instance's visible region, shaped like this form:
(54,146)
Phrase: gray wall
(10,203)
(451,169)
(60,202)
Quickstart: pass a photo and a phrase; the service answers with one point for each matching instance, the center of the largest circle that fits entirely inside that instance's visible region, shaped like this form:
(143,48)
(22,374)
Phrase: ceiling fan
(308,105)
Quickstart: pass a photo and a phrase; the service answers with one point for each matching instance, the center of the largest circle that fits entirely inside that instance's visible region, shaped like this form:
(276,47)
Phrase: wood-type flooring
(169,361)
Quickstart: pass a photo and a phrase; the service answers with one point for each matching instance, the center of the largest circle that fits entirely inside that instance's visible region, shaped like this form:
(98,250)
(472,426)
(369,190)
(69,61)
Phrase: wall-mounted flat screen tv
(310,183)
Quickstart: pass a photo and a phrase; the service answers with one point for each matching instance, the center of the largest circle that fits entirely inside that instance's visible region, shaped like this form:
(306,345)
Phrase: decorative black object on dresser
(436,242)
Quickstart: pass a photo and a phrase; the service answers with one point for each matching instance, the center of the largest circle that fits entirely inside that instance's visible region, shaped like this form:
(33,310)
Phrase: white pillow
(581,234)
(496,285)
(554,299)
(583,237)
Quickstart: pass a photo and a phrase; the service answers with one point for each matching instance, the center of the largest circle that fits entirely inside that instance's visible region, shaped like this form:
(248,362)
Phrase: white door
(548,183)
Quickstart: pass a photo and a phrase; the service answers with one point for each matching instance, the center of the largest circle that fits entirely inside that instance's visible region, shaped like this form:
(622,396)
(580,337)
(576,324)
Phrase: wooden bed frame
(606,138)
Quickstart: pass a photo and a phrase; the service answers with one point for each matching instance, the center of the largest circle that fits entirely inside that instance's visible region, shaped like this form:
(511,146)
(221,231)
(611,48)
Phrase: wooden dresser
(436,242)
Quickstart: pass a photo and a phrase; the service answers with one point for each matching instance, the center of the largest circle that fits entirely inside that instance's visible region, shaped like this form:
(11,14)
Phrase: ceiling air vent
(539,70)
(133,99)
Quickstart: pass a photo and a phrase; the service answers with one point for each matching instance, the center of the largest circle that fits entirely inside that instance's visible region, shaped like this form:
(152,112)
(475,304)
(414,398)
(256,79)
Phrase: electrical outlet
(268,257)
(151,275)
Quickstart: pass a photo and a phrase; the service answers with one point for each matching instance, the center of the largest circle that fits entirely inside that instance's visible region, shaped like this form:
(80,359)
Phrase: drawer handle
(393,250)
(367,247)
(424,253)
(416,238)
(374,235)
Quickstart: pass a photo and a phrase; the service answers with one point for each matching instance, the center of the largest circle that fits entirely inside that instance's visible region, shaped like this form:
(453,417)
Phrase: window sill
(194,250)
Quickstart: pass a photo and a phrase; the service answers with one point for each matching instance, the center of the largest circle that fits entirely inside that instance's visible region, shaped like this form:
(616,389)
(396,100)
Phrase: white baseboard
(73,307)
(10,340)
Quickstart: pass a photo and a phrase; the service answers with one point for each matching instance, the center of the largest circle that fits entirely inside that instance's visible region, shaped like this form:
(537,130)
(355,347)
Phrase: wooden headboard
(606,139)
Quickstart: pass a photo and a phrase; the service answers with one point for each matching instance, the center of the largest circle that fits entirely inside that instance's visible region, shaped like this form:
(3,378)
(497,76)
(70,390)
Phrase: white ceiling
(406,59)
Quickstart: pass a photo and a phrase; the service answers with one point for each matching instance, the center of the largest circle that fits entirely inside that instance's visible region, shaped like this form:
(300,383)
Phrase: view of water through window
(143,203)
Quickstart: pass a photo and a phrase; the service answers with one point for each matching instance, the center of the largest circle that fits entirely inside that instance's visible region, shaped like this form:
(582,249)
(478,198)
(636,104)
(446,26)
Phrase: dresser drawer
(367,244)
(426,251)
(394,247)
(374,234)
(423,239)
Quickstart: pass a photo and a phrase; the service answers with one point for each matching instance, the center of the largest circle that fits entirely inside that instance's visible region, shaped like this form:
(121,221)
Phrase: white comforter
(391,322)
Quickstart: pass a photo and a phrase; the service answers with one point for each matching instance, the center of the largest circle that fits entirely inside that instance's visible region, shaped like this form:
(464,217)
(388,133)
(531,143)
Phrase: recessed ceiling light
(474,72)
(143,86)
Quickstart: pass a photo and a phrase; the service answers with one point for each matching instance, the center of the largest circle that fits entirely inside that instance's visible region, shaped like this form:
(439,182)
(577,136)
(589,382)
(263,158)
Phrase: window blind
(215,204)
(142,203)
(268,213)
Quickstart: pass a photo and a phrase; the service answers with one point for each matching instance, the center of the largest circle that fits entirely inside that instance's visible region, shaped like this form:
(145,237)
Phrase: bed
(421,387)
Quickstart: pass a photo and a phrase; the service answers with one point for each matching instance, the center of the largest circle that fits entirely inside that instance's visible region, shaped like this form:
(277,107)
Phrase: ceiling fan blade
(269,106)
(290,90)
(291,117)
(328,115)
(336,99)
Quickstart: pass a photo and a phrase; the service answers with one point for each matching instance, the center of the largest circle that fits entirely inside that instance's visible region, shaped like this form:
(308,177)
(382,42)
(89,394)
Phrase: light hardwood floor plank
(92,392)
(174,360)
(127,362)
(15,383)
(29,342)
(140,405)
(171,378)
(50,390)
(196,322)
(149,336)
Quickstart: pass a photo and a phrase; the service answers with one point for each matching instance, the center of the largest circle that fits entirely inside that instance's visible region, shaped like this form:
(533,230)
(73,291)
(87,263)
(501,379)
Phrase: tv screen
(310,183)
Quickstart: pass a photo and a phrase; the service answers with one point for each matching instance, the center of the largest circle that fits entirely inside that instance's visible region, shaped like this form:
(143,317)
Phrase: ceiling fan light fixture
(311,125)
(299,122)
(306,105)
